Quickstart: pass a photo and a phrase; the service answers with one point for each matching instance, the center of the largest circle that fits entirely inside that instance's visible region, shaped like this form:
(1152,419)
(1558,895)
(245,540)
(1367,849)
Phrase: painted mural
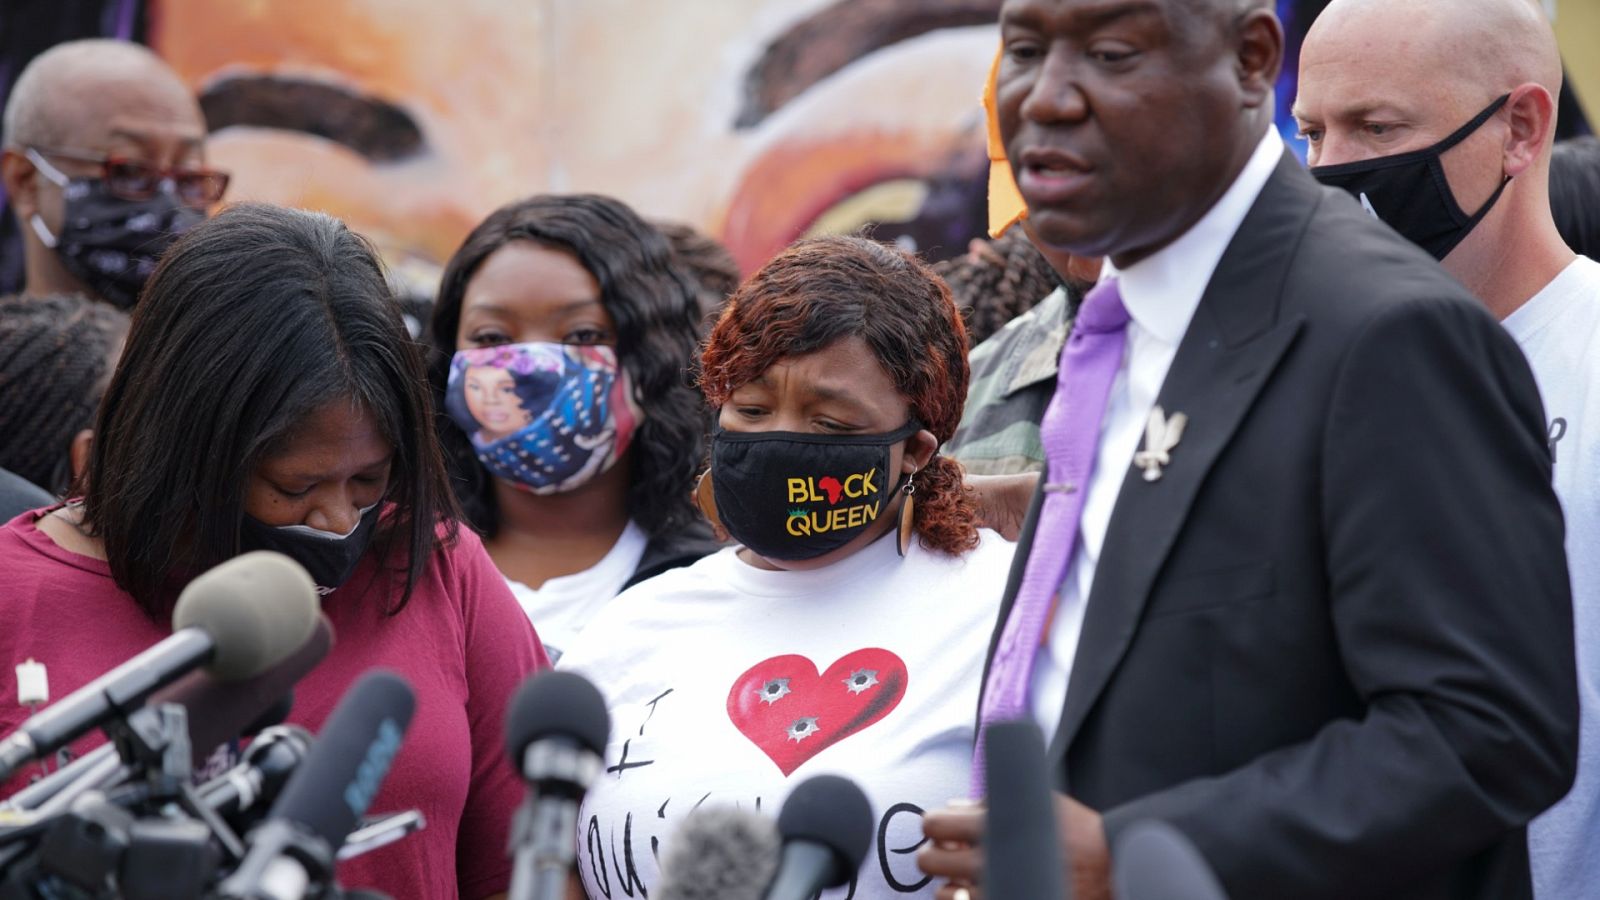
(756,121)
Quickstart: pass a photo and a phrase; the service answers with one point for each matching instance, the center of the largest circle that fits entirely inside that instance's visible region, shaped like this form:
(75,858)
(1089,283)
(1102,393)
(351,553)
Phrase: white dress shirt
(1161,293)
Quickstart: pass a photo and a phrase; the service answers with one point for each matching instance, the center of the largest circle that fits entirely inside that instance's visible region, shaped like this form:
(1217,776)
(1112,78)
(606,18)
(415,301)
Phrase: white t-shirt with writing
(728,685)
(1559,330)
(561,607)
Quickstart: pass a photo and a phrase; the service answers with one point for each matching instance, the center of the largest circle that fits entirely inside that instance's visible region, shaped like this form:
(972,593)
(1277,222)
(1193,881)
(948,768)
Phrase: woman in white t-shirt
(847,631)
(562,335)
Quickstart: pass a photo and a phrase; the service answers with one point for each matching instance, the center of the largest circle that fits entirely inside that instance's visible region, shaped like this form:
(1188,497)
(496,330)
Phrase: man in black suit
(1320,623)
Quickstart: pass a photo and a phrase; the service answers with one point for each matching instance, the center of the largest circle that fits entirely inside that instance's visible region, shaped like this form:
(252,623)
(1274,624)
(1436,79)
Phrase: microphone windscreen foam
(556,704)
(332,789)
(1022,848)
(1154,861)
(258,608)
(220,711)
(831,811)
(720,853)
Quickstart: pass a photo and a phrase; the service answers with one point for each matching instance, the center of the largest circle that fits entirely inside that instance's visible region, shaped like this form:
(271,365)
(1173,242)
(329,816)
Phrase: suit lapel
(1225,358)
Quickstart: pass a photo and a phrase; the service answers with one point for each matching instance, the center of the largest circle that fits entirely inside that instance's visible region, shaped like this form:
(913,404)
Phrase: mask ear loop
(906,513)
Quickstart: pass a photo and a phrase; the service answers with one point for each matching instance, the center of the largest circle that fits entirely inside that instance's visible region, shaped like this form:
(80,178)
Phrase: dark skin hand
(1003,500)
(954,851)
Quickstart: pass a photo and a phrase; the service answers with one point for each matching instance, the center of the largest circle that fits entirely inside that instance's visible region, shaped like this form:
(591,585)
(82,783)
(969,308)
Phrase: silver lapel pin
(1161,434)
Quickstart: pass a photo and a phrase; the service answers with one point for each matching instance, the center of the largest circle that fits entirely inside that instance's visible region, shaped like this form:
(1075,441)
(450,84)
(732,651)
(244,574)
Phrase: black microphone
(720,853)
(218,711)
(556,733)
(292,852)
(826,826)
(238,619)
(1021,845)
(256,781)
(1154,861)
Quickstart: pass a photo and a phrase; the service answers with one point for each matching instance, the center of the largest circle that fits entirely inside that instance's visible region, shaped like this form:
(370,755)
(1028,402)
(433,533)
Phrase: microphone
(556,733)
(293,850)
(1154,861)
(266,767)
(217,712)
(238,619)
(221,710)
(1022,848)
(826,826)
(720,853)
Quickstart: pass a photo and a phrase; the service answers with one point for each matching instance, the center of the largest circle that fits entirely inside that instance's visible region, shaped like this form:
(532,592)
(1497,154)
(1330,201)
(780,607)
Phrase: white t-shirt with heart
(729,684)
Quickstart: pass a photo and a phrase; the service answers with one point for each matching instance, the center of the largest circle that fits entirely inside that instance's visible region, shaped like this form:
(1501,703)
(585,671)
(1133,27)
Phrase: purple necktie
(1071,435)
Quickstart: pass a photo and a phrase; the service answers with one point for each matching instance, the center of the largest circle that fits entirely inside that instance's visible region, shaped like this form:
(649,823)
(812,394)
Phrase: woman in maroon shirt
(269,397)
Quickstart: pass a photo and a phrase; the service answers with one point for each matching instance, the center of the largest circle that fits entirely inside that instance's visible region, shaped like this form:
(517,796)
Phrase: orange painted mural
(755,121)
(750,120)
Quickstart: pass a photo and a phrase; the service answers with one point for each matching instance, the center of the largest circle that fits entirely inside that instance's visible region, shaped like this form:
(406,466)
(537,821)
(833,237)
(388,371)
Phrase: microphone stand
(545,828)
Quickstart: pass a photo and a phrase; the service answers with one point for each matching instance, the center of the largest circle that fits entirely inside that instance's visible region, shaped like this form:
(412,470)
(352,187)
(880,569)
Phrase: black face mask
(109,243)
(793,496)
(1408,191)
(330,558)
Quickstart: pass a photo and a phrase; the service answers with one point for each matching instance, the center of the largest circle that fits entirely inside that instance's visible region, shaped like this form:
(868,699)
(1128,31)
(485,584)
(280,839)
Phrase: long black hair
(655,308)
(253,320)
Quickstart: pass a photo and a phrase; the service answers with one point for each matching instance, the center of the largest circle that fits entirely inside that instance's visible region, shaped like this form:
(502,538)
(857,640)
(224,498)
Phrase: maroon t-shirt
(463,643)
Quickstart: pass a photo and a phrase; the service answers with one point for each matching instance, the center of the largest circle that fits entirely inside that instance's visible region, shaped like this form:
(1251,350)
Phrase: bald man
(102,154)
(1439,118)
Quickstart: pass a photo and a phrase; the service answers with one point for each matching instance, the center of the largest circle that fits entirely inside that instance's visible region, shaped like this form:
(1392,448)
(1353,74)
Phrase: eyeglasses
(133,179)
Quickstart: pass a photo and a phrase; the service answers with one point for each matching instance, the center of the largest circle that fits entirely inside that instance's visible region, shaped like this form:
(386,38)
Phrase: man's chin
(1068,232)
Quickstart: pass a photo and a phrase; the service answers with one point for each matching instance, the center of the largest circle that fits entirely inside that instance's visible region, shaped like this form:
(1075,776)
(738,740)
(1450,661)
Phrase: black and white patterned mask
(110,243)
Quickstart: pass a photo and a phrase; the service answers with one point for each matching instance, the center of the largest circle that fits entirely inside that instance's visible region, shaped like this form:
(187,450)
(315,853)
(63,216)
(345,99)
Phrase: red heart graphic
(784,707)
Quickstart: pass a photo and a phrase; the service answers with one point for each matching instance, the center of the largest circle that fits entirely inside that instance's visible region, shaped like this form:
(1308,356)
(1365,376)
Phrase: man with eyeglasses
(103,161)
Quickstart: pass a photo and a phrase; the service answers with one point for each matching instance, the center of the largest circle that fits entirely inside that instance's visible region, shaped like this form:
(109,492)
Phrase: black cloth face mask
(330,558)
(109,243)
(793,496)
(1408,191)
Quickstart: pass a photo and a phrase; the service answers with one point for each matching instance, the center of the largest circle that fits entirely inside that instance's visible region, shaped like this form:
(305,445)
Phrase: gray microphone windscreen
(720,853)
(1154,861)
(258,608)
(1022,848)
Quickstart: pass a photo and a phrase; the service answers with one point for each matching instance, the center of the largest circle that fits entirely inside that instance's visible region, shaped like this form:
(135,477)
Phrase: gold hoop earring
(907,514)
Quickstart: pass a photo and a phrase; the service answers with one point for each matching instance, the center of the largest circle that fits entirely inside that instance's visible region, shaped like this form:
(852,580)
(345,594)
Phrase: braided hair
(56,357)
(996,281)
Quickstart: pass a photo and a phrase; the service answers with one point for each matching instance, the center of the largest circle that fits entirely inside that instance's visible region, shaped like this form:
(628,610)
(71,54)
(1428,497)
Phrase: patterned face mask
(545,417)
(110,243)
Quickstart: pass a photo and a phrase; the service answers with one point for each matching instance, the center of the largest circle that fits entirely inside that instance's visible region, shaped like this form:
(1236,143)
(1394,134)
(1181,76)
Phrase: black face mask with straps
(1408,191)
(795,496)
(330,558)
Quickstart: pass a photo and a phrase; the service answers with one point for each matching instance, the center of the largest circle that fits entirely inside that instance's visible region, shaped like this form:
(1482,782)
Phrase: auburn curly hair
(826,289)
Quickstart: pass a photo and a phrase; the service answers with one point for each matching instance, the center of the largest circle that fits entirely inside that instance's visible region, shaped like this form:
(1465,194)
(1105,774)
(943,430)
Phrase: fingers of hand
(960,863)
(954,824)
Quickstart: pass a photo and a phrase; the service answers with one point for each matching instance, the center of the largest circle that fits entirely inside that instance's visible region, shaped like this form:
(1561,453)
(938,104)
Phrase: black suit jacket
(1333,642)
